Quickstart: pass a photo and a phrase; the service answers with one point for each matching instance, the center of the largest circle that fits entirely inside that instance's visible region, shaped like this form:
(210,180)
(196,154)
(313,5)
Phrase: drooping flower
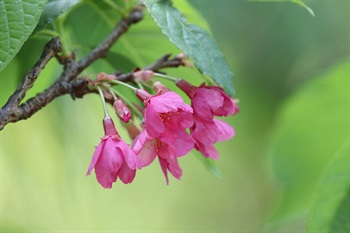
(167,147)
(207,134)
(207,102)
(113,158)
(166,118)
(122,110)
(165,112)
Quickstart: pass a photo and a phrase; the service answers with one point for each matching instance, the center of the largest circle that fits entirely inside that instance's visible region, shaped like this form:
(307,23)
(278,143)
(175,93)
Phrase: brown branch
(50,50)
(164,62)
(80,87)
(68,83)
(13,112)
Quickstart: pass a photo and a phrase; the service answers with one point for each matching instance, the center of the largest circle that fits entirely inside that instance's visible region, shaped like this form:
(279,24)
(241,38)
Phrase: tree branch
(12,111)
(68,81)
(50,50)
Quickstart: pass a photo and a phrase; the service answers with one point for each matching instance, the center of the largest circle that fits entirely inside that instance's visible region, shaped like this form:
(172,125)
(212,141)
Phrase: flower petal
(95,157)
(212,95)
(164,164)
(225,130)
(183,144)
(166,151)
(206,133)
(108,164)
(228,107)
(174,168)
(148,153)
(180,120)
(128,154)
(208,151)
(126,174)
(169,101)
(154,124)
(139,142)
(201,108)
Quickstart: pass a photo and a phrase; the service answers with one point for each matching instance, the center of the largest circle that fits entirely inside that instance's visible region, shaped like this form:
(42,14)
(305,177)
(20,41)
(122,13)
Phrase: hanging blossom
(113,158)
(207,102)
(163,133)
(166,118)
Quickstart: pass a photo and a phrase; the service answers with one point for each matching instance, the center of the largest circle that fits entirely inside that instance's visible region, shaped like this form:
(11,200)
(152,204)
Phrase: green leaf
(330,211)
(52,10)
(194,41)
(299,2)
(311,127)
(17,21)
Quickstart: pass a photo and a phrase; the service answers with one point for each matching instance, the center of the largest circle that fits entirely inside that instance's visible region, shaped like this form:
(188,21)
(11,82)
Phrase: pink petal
(95,157)
(211,152)
(111,157)
(206,133)
(108,164)
(126,174)
(164,164)
(229,107)
(174,168)
(208,151)
(105,177)
(169,101)
(130,157)
(212,96)
(139,141)
(127,153)
(225,130)
(183,144)
(166,151)
(148,153)
(154,124)
(180,120)
(168,137)
(201,108)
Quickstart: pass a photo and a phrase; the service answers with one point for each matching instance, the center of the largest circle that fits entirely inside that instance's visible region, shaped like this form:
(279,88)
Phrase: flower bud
(160,87)
(122,110)
(143,75)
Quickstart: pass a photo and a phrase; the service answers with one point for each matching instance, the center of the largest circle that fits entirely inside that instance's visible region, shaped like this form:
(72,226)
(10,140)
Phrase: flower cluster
(170,129)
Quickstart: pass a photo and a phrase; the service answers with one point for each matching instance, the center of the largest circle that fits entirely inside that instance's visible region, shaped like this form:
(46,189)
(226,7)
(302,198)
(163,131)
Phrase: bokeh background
(292,80)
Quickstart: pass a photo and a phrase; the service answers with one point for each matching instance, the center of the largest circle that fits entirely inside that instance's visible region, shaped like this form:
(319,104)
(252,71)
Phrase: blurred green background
(292,81)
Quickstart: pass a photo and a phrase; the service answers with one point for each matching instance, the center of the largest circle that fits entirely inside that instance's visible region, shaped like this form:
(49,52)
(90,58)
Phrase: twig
(68,83)
(164,62)
(13,112)
(50,50)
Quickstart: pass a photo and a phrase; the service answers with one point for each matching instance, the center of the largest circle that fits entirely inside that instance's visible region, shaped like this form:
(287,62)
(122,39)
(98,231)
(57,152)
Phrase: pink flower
(167,147)
(208,101)
(207,134)
(113,158)
(122,110)
(165,112)
(166,118)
